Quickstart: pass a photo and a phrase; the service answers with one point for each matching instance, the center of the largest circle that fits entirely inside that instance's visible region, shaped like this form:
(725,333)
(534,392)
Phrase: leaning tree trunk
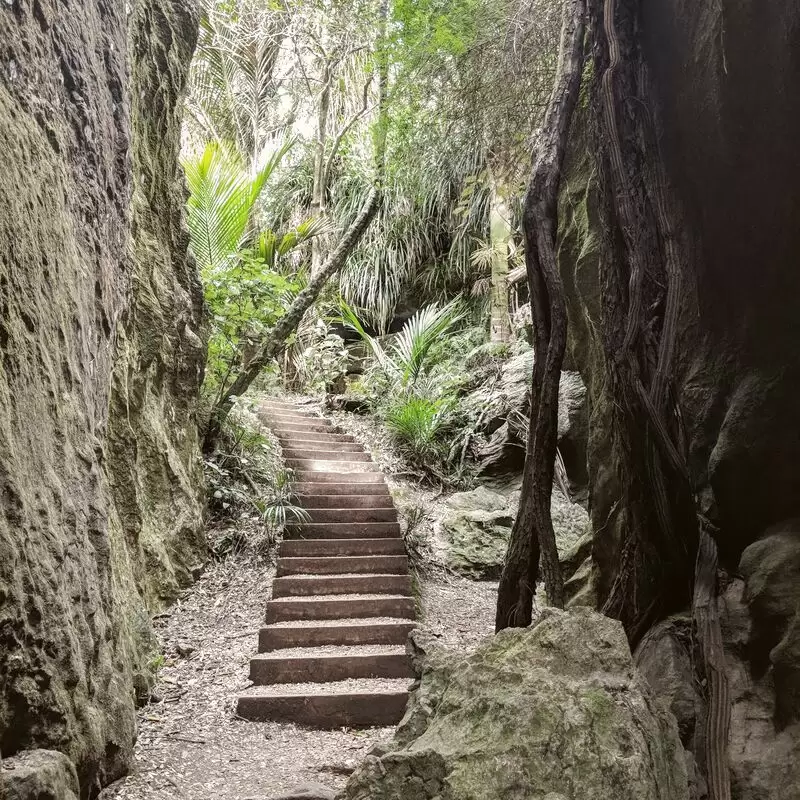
(533,533)
(275,339)
(319,189)
(667,558)
(500,231)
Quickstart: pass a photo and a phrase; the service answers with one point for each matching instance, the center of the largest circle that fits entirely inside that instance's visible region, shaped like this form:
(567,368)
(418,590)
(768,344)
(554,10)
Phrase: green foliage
(245,298)
(156,662)
(404,363)
(323,359)
(222,198)
(417,422)
(248,485)
(414,342)
(249,276)
(413,387)
(233,95)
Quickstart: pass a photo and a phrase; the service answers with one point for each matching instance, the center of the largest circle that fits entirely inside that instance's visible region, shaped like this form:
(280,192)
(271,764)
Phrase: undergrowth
(250,490)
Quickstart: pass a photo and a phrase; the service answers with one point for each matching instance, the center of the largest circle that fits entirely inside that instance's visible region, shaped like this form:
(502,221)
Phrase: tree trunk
(533,527)
(319,191)
(667,559)
(500,231)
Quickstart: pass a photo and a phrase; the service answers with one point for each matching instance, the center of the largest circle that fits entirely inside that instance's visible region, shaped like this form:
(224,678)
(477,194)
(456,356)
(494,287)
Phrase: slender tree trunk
(532,534)
(500,231)
(319,191)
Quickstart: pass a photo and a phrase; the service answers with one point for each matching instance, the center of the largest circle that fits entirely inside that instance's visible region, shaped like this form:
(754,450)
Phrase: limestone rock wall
(99,348)
(551,711)
(725,77)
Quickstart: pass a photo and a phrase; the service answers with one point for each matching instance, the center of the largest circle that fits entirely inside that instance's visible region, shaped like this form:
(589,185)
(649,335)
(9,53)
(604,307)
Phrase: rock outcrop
(553,710)
(39,774)
(476,526)
(100,362)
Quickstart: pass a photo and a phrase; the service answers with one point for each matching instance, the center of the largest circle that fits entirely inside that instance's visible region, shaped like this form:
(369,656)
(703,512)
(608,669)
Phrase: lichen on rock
(553,709)
(100,513)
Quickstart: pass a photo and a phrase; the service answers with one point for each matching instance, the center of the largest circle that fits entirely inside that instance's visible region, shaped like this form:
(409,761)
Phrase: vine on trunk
(532,536)
(668,559)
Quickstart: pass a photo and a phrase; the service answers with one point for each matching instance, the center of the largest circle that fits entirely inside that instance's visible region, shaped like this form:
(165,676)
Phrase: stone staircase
(332,652)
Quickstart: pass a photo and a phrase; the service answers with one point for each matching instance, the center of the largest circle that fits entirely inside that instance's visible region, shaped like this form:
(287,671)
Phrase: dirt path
(192,747)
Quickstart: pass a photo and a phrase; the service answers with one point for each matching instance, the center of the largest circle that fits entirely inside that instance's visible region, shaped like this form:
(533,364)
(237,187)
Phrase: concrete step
(342,565)
(286,610)
(312,426)
(344,530)
(318,454)
(326,443)
(275,638)
(312,436)
(315,585)
(305,488)
(336,708)
(312,466)
(310,548)
(387,514)
(338,476)
(349,501)
(275,668)
(277,403)
(276,414)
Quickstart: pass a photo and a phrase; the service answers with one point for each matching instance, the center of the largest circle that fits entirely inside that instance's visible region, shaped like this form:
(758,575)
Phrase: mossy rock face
(555,710)
(477,527)
(39,775)
(102,518)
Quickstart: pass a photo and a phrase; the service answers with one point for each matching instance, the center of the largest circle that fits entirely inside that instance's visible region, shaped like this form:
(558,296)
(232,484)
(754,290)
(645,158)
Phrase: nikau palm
(405,360)
(223,195)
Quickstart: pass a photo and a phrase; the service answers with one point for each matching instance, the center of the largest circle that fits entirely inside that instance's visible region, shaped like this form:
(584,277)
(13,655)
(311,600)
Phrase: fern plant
(405,361)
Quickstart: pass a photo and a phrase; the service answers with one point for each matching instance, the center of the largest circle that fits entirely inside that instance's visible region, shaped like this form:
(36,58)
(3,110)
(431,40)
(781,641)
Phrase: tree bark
(500,231)
(319,189)
(667,558)
(532,534)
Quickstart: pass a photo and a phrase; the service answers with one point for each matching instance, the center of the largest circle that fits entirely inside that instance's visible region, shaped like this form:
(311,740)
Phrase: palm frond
(419,335)
(233,84)
(221,200)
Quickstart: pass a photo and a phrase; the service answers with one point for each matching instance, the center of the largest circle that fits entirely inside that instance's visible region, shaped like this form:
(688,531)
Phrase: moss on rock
(556,708)
(100,360)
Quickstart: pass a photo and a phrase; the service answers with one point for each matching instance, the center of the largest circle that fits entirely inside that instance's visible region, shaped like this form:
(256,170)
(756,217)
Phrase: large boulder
(476,528)
(555,709)
(771,569)
(665,658)
(721,84)
(38,775)
(764,758)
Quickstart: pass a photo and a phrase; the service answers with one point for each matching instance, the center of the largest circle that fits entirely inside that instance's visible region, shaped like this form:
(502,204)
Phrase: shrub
(250,494)
(416,422)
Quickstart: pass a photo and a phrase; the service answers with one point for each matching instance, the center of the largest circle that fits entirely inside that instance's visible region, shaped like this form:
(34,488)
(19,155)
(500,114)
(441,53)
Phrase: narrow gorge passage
(333,651)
